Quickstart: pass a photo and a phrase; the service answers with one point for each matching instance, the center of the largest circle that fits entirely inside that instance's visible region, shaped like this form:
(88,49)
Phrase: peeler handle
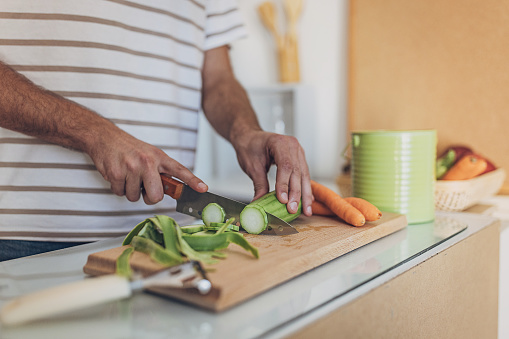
(64,298)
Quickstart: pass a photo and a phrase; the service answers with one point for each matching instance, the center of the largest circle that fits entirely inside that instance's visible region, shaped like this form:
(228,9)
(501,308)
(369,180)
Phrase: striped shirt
(137,63)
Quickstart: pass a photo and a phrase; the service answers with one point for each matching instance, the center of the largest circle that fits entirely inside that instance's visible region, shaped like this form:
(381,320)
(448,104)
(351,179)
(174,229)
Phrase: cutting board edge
(329,253)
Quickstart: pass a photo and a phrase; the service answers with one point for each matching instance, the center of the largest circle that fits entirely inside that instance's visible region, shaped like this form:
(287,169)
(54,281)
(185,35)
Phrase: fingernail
(294,206)
(308,210)
(202,186)
(284,196)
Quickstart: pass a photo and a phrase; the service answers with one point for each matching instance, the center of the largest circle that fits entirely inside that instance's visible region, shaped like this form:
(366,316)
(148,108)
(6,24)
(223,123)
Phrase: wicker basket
(458,195)
(451,195)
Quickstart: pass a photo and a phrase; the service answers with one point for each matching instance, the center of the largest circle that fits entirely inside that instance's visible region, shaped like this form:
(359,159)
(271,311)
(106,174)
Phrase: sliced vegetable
(155,251)
(207,242)
(190,253)
(135,231)
(202,233)
(337,204)
(253,217)
(468,167)
(152,232)
(190,229)
(218,241)
(213,213)
(166,243)
(168,227)
(214,226)
(123,265)
(225,226)
(370,211)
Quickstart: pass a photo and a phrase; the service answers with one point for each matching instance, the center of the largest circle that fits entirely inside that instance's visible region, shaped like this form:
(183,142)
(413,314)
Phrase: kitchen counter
(309,304)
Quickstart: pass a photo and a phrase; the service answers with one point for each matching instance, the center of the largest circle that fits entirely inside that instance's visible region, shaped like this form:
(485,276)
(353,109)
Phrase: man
(102,96)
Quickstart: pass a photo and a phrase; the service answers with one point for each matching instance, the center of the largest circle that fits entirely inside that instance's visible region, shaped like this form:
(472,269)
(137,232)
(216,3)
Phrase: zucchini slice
(213,213)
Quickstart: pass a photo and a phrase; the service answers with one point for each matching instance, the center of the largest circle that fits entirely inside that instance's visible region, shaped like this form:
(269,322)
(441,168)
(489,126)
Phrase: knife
(192,203)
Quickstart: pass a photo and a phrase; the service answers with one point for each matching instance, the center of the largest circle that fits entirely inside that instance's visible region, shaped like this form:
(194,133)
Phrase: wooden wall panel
(433,64)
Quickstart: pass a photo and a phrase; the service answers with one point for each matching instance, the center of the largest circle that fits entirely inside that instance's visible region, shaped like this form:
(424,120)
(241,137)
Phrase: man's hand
(259,150)
(133,167)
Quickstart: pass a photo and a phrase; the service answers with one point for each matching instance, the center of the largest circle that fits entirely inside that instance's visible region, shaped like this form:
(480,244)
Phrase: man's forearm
(29,109)
(227,108)
(225,102)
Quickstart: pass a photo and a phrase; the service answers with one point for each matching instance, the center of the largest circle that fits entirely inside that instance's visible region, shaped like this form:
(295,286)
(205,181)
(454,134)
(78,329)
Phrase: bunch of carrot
(355,211)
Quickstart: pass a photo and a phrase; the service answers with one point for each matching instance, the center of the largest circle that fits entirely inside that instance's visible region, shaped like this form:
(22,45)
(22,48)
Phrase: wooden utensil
(293,10)
(290,58)
(267,12)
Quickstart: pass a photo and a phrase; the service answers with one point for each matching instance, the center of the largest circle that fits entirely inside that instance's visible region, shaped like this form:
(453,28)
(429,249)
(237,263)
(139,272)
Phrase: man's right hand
(133,167)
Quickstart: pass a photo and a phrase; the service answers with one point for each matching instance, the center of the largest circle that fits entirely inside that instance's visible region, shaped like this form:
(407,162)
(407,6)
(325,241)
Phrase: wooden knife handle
(172,187)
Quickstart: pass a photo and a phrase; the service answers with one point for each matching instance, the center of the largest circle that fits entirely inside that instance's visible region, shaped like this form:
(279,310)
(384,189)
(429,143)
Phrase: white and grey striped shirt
(137,63)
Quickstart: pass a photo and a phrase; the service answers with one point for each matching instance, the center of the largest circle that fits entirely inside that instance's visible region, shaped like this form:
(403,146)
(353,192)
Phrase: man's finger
(152,188)
(306,193)
(283,176)
(177,170)
(133,188)
(295,191)
(118,187)
(260,182)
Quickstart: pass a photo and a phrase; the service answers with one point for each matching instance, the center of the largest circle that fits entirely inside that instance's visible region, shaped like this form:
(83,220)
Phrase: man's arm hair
(35,111)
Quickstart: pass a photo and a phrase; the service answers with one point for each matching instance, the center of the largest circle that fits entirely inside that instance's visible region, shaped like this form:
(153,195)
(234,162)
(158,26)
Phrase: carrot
(337,204)
(370,211)
(467,167)
(320,209)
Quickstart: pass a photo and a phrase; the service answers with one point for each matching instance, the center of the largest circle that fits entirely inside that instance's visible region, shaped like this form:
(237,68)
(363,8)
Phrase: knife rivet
(280,228)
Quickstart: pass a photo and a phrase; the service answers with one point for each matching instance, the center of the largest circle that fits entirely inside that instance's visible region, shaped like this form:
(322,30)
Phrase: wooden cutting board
(241,276)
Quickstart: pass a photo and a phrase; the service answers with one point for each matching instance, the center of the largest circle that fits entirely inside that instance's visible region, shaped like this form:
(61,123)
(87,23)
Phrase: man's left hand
(259,150)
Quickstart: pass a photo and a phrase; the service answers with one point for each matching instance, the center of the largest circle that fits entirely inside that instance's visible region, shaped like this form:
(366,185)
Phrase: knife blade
(192,203)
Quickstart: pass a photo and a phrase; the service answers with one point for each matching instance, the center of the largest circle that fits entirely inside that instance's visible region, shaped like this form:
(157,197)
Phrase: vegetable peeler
(94,291)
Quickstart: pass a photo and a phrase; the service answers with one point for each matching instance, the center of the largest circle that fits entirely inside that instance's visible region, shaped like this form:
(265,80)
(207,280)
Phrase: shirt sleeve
(224,23)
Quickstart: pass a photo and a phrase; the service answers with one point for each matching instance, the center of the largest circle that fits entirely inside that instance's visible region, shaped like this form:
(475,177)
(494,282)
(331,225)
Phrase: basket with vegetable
(464,178)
